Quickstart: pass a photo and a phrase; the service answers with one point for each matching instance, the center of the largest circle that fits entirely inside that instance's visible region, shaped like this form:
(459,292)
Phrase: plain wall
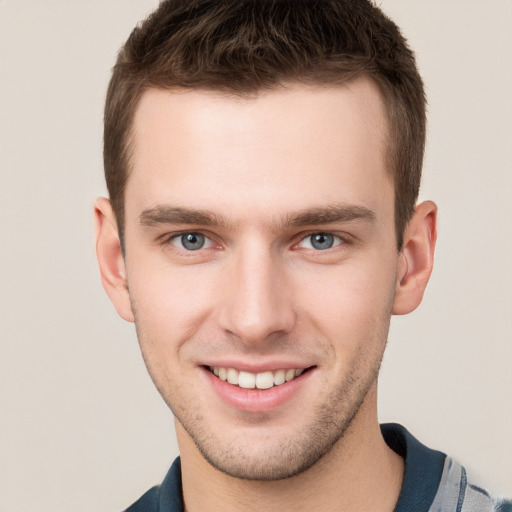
(81,427)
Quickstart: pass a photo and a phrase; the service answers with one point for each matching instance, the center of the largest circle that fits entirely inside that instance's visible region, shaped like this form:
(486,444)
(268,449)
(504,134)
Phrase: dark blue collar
(423,469)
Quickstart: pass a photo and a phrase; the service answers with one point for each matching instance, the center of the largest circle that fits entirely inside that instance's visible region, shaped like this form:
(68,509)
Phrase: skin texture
(257,178)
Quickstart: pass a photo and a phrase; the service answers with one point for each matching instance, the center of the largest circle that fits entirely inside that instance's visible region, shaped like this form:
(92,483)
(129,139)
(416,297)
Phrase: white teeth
(289,375)
(279,377)
(247,380)
(263,380)
(232,376)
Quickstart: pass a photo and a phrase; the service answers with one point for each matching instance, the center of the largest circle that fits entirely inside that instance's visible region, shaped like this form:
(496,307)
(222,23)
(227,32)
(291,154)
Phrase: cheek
(170,302)
(349,303)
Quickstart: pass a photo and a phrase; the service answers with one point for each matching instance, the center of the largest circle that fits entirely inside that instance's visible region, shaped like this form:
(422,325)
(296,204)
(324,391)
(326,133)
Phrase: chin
(274,454)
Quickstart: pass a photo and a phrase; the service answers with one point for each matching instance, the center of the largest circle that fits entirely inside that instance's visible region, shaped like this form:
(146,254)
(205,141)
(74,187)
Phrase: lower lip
(257,400)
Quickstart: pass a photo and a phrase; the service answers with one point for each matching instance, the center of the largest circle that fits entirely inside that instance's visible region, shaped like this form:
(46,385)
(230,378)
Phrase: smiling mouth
(263,380)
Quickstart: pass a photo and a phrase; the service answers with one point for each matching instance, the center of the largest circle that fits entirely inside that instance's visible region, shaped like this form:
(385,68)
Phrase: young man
(263,161)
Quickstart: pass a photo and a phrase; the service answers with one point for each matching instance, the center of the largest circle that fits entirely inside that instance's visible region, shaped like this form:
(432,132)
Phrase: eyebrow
(167,214)
(164,214)
(329,215)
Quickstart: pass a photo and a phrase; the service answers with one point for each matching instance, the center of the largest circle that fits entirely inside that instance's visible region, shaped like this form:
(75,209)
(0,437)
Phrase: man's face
(260,240)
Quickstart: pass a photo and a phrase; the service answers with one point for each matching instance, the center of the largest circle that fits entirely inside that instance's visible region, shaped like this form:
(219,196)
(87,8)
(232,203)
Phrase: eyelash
(337,240)
(304,237)
(168,239)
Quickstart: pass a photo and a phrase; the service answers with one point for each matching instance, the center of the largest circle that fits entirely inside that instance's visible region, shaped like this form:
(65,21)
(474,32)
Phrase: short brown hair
(244,46)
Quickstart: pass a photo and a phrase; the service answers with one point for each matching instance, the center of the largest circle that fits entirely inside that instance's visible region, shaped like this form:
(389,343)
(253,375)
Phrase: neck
(359,473)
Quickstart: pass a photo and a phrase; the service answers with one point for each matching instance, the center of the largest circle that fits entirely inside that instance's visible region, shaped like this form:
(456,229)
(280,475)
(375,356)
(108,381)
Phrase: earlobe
(110,258)
(416,258)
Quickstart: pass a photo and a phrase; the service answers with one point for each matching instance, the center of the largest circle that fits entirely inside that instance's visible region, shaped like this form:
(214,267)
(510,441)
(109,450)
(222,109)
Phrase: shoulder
(433,481)
(457,493)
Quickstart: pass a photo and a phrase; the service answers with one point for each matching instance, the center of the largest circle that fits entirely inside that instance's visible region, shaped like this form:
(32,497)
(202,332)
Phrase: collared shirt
(432,482)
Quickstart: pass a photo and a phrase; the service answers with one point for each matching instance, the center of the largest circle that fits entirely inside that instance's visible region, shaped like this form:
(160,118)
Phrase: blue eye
(191,241)
(320,241)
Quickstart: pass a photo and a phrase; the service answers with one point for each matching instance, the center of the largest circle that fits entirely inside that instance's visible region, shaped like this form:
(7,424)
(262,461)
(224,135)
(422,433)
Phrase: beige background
(81,427)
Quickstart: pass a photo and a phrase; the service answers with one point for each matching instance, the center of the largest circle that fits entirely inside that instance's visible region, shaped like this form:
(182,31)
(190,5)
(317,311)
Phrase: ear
(110,258)
(416,258)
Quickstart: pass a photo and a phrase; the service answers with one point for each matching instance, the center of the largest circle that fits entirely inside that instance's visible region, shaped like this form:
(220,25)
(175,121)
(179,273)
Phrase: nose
(257,302)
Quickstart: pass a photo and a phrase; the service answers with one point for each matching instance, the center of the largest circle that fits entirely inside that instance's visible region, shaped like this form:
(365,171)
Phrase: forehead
(291,147)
